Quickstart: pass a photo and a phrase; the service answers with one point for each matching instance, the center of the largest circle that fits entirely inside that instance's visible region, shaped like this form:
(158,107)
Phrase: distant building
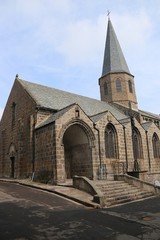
(45,130)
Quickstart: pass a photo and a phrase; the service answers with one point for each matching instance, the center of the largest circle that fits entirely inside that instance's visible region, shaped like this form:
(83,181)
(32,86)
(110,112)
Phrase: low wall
(138,183)
(83,183)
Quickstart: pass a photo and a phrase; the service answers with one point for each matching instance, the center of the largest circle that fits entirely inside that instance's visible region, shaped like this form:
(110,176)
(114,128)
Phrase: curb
(85,203)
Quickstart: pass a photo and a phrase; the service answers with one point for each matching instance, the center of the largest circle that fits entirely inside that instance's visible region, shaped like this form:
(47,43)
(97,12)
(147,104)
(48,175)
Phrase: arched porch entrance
(77,152)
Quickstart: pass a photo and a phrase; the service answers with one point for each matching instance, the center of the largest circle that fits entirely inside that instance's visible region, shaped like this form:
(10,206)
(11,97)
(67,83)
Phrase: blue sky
(60,43)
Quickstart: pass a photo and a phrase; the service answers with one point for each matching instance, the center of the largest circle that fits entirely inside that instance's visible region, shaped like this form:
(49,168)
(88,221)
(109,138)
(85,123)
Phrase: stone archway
(77,152)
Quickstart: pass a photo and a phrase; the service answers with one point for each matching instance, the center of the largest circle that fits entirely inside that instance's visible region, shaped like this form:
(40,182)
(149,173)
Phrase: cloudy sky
(60,43)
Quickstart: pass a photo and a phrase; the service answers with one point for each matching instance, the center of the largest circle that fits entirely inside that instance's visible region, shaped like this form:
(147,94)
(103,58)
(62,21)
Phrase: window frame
(130,86)
(111,142)
(118,85)
(156,145)
(106,89)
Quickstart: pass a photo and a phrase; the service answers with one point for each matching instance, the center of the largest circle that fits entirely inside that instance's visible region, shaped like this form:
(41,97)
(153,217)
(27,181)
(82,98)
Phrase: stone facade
(16,133)
(48,132)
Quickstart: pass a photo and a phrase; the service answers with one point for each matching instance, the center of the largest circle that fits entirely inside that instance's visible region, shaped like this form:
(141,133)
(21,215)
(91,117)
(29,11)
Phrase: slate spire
(114,61)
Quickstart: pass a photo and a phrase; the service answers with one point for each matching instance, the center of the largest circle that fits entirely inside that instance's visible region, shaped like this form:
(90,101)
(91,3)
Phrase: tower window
(118,85)
(105,88)
(130,86)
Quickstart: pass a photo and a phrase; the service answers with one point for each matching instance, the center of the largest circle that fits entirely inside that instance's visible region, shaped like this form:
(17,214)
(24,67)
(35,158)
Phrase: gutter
(99,144)
(149,160)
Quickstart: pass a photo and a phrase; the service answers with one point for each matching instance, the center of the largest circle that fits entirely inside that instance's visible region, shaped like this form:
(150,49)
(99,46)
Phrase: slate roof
(114,60)
(55,99)
(97,117)
(146,125)
(151,115)
(53,117)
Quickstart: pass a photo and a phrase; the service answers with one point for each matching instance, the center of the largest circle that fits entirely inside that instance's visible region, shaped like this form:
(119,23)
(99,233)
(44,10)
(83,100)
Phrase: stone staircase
(118,192)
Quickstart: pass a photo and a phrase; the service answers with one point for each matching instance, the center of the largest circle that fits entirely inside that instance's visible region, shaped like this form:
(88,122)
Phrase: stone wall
(45,150)
(17,132)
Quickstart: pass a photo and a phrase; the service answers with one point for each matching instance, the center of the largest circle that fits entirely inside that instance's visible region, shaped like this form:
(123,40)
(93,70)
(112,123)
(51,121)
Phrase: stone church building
(46,130)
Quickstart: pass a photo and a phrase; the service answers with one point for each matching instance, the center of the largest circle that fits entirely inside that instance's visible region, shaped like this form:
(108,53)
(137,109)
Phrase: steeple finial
(108,13)
(17,76)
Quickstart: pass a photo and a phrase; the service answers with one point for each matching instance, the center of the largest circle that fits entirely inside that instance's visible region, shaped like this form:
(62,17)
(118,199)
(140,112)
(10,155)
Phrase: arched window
(156,146)
(105,88)
(137,144)
(130,86)
(118,85)
(111,145)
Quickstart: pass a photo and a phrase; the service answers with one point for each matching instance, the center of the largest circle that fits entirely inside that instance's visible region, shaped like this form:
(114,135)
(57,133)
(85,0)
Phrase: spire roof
(114,60)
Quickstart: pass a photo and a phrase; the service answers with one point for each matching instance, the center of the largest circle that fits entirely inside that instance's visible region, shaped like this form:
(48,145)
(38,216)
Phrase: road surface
(28,213)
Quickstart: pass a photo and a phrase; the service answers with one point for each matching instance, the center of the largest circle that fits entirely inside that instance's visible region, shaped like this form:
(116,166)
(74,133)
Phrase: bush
(43,176)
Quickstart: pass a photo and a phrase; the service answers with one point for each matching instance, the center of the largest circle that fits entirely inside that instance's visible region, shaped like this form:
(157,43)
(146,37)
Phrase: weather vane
(108,13)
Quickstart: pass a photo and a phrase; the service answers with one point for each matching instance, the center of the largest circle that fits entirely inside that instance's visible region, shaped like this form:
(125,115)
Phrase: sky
(60,43)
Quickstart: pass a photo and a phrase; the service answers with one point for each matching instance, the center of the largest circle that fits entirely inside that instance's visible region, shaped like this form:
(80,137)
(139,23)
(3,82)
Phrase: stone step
(125,199)
(111,184)
(114,188)
(128,195)
(118,192)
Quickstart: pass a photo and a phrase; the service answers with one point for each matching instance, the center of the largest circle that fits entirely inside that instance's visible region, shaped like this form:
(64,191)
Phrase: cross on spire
(108,13)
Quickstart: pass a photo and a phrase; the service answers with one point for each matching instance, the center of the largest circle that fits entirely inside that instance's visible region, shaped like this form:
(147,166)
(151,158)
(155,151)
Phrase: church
(55,134)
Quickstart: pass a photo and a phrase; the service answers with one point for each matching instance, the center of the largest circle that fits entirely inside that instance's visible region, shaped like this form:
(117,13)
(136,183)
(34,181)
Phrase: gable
(22,101)
(58,115)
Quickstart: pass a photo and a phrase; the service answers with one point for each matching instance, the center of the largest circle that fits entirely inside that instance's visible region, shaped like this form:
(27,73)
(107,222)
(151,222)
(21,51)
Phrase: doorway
(12,167)
(77,150)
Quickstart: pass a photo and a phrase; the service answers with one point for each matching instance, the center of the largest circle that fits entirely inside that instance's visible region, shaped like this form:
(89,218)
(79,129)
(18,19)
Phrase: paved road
(31,214)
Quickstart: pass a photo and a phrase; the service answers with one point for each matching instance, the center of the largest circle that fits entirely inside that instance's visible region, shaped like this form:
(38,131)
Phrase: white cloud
(82,40)
(134,29)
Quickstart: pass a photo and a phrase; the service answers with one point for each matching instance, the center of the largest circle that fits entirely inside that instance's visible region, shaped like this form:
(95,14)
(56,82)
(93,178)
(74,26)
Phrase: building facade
(56,134)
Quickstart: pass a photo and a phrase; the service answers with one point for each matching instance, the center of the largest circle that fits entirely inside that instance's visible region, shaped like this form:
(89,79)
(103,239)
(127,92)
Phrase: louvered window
(118,85)
(105,88)
(130,86)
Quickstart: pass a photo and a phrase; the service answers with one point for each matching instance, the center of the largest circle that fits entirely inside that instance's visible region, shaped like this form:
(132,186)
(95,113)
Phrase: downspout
(99,151)
(99,145)
(125,144)
(33,146)
(54,145)
(149,159)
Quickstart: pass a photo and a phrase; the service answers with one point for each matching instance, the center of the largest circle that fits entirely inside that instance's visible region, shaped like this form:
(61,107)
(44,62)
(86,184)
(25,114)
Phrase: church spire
(116,83)
(114,60)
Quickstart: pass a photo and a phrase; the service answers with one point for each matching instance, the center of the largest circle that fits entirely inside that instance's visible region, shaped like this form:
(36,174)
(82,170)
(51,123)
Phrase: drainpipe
(99,149)
(33,144)
(149,160)
(125,144)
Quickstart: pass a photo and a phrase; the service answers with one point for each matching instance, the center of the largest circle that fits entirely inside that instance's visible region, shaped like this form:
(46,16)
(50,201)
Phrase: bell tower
(116,83)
